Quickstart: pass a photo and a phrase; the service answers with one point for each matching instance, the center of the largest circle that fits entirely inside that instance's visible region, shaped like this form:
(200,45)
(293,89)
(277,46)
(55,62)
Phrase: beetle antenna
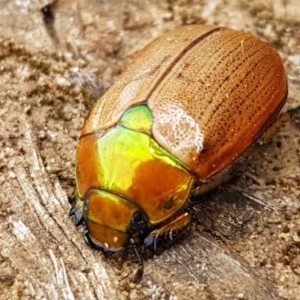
(140,271)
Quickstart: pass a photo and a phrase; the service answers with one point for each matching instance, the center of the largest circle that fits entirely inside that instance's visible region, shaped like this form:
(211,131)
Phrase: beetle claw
(78,216)
(72,210)
(138,275)
(150,241)
(140,271)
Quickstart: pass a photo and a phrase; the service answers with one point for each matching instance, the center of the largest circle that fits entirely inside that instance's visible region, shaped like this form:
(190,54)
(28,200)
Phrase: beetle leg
(140,271)
(78,217)
(76,212)
(168,231)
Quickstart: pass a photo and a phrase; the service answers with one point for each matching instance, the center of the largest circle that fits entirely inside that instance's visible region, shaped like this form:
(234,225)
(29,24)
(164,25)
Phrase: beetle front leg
(168,231)
(76,211)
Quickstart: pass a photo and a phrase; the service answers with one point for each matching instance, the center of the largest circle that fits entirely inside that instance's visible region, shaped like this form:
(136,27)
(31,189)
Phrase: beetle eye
(139,222)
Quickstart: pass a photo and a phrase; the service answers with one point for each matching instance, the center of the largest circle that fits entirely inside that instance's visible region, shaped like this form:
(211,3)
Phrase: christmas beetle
(186,108)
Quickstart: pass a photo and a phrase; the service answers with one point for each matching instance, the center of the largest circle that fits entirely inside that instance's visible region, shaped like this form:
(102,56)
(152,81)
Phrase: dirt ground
(53,67)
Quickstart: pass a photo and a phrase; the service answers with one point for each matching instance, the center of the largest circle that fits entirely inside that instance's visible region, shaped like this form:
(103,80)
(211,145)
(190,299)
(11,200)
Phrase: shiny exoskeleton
(186,108)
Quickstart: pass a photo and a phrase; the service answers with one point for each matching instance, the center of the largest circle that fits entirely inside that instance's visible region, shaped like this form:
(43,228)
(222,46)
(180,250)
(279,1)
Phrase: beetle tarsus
(140,271)
(78,217)
(150,241)
(72,210)
(77,214)
(138,275)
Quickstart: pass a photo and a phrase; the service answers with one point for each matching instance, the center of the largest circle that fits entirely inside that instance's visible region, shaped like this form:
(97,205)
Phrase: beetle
(190,103)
